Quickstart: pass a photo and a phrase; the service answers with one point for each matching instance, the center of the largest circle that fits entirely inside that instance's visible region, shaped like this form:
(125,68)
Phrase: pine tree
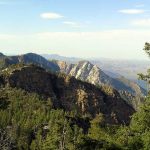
(146,77)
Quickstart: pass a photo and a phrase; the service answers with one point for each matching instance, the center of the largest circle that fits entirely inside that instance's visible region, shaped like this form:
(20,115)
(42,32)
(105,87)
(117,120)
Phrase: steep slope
(88,72)
(68,93)
(29,58)
(137,89)
(127,68)
(134,101)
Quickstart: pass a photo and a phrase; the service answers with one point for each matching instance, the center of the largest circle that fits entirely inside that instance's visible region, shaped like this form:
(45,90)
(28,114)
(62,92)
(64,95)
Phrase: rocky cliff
(86,71)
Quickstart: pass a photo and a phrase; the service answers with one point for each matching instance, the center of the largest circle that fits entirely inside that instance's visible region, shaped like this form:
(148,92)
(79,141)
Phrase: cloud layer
(111,43)
(142,22)
(132,11)
(72,24)
(50,15)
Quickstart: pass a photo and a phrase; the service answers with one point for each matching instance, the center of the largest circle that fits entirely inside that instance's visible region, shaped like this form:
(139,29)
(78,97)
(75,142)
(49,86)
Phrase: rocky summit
(29,58)
(86,71)
(130,91)
(68,93)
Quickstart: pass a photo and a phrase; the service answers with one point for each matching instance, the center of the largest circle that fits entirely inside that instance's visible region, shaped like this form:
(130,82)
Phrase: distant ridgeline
(29,58)
(84,71)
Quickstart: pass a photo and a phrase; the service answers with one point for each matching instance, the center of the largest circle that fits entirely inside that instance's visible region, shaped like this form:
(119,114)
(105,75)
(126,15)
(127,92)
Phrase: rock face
(69,93)
(88,72)
(29,58)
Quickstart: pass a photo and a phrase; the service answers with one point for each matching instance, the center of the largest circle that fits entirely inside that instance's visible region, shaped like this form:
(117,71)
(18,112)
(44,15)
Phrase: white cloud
(141,22)
(104,35)
(7,37)
(132,11)
(50,15)
(111,43)
(72,24)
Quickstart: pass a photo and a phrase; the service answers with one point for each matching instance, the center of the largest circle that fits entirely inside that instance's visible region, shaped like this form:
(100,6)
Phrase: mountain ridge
(89,72)
(28,58)
(113,67)
(68,93)
(83,70)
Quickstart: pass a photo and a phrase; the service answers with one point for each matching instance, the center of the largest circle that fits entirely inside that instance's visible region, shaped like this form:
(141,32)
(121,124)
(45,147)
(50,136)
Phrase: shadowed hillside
(68,93)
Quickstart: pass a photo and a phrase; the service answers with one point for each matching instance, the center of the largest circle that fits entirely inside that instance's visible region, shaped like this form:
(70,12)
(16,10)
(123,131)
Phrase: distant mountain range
(61,58)
(6,61)
(115,68)
(83,70)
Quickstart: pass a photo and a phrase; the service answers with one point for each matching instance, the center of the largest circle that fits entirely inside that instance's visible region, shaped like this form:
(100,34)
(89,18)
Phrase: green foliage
(31,123)
(146,77)
(141,120)
(147,48)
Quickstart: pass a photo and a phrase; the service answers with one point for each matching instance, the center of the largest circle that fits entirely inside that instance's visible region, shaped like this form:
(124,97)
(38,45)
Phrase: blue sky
(82,28)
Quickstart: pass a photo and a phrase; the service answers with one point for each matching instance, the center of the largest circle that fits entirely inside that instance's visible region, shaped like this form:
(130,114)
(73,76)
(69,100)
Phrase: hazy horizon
(86,29)
(82,57)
